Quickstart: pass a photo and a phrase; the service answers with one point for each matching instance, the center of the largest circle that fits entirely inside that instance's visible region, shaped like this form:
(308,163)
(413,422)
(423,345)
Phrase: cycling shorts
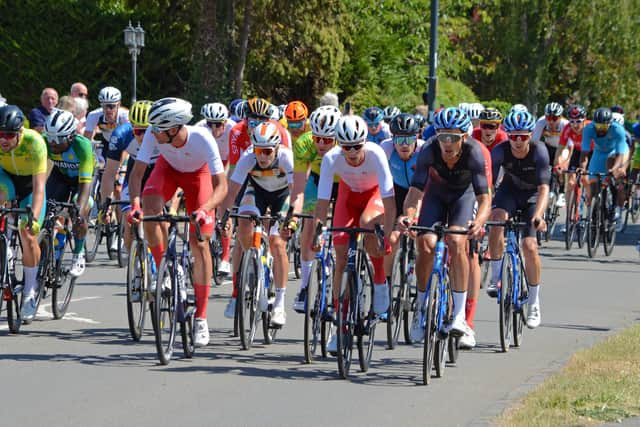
(512,199)
(60,187)
(165,180)
(400,195)
(20,188)
(350,206)
(311,193)
(257,200)
(453,209)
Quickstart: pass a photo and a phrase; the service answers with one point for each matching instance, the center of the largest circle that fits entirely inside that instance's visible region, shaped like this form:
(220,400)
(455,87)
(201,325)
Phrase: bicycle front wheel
(505,298)
(345,324)
(137,284)
(519,314)
(93,239)
(397,297)
(593,227)
(188,309)
(430,310)
(312,312)
(65,282)
(122,250)
(608,232)
(165,312)
(571,220)
(247,300)
(366,317)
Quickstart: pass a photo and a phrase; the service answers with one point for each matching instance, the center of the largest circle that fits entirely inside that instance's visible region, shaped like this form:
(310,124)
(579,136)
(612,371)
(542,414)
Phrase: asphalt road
(85,370)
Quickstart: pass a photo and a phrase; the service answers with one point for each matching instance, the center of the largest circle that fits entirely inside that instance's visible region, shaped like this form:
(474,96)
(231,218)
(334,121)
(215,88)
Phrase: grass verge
(598,385)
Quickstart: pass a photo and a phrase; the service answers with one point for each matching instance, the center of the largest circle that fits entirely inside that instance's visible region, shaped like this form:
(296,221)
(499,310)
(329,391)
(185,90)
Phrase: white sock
(280,293)
(305,267)
(496,270)
(459,301)
(422,296)
(534,294)
(30,284)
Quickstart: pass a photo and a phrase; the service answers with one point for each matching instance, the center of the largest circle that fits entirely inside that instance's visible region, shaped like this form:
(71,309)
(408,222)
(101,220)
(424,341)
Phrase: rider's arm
(389,214)
(480,181)
(39,182)
(297,193)
(109,178)
(135,182)
(219,183)
(543,177)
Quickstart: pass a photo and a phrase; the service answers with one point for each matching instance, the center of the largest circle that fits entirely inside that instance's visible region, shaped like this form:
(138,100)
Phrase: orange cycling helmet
(296,111)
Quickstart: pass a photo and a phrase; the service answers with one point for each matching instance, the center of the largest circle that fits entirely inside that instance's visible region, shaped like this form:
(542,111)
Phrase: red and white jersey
(199,149)
(222,141)
(373,171)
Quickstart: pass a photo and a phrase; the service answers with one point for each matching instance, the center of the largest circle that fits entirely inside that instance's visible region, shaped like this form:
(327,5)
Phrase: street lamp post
(433,59)
(134,40)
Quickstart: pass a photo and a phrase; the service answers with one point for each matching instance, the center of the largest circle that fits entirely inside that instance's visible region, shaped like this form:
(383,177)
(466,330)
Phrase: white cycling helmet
(215,112)
(618,118)
(553,109)
(60,124)
(323,121)
(265,135)
(390,112)
(167,113)
(474,110)
(276,114)
(109,95)
(351,130)
(519,108)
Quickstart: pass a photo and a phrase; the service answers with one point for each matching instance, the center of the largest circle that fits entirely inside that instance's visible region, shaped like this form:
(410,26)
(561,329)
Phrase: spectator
(80,113)
(329,99)
(38,116)
(79,90)
(67,103)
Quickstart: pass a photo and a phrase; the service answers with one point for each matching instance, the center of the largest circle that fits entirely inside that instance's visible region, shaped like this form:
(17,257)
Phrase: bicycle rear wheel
(519,315)
(93,239)
(505,299)
(593,227)
(430,310)
(247,301)
(442,342)
(397,297)
(165,312)
(46,267)
(9,292)
(608,232)
(366,317)
(137,284)
(65,282)
(188,309)
(122,251)
(571,221)
(345,315)
(312,312)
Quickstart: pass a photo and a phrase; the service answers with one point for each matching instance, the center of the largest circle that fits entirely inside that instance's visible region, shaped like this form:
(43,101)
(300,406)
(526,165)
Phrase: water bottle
(58,243)
(152,262)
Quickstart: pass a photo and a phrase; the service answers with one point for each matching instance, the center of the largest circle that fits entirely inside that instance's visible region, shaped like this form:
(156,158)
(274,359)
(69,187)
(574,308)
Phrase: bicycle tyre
(406,317)
(431,326)
(452,342)
(269,331)
(505,302)
(165,313)
(122,252)
(93,240)
(65,282)
(442,342)
(137,284)
(111,234)
(593,227)
(247,304)
(45,265)
(326,320)
(570,221)
(215,260)
(345,326)
(187,323)
(397,297)
(14,319)
(608,235)
(312,313)
(367,320)
(519,316)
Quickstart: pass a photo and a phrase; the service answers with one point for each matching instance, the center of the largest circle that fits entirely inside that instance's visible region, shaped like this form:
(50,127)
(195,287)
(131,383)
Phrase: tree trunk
(244,44)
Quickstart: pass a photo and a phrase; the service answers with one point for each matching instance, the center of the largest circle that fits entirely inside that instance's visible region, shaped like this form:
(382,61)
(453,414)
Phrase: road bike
(575,221)
(601,223)
(402,291)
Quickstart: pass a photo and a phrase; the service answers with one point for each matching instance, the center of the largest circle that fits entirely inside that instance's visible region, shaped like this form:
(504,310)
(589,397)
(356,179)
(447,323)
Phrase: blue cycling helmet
(452,118)
(233,104)
(373,115)
(421,120)
(519,121)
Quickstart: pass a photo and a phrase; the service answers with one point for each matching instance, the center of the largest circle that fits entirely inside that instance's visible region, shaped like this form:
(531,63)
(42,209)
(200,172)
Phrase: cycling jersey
(239,139)
(401,170)
(501,136)
(277,176)
(428,132)
(373,171)
(304,152)
(96,119)
(635,163)
(28,158)
(570,138)
(222,141)
(77,162)
(122,140)
(200,149)
(383,133)
(550,135)
(524,174)
(612,143)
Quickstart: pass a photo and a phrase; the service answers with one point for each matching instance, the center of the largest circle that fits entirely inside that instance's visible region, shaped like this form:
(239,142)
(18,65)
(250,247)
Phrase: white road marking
(42,312)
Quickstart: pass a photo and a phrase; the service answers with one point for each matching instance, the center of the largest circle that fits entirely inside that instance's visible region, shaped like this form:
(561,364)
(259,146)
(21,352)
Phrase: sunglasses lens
(139,131)
(488,126)
(355,147)
(449,137)
(7,135)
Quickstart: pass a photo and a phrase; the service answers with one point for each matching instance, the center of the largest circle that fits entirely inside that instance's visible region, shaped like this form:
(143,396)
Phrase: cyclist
(473,110)
(378,130)
(216,118)
(609,150)
(268,170)
(518,108)
(390,112)
(525,187)
(189,159)
(297,113)
(106,118)
(308,151)
(233,105)
(23,177)
(635,164)
(402,151)
(72,174)
(365,198)
(450,176)
(489,132)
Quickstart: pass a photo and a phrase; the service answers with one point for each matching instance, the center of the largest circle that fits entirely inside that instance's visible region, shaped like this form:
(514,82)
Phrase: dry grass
(600,384)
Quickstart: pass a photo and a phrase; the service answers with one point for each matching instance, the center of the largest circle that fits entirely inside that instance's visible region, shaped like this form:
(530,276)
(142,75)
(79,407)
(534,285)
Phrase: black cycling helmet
(576,111)
(490,114)
(404,124)
(617,109)
(603,116)
(11,118)
(420,120)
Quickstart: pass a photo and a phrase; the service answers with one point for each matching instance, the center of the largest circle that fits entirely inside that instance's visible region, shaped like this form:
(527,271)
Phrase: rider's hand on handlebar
(135,214)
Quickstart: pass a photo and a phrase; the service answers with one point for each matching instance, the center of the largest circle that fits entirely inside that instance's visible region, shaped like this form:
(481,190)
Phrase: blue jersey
(428,132)
(380,136)
(401,170)
(612,143)
(636,130)
(120,139)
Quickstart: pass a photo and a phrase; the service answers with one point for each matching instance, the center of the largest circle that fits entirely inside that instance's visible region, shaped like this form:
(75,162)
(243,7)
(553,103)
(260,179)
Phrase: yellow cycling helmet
(260,108)
(139,113)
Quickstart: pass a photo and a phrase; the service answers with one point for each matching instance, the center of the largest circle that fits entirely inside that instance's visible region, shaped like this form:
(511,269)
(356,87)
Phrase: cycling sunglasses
(373,124)
(551,117)
(254,122)
(489,126)
(7,135)
(352,147)
(109,106)
(404,139)
(447,137)
(295,125)
(58,139)
(515,137)
(576,121)
(323,140)
(602,127)
(263,151)
(139,131)
(216,125)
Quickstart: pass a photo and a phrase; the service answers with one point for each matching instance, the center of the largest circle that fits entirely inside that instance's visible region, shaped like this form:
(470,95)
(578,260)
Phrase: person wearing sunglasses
(23,177)
(609,150)
(365,199)
(377,128)
(489,131)
(189,159)
(308,151)
(524,187)
(255,111)
(268,170)
(451,175)
(71,175)
(296,114)
(105,119)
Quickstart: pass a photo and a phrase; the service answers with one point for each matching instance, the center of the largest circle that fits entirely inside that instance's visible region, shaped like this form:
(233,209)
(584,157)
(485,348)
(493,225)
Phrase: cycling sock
(226,247)
(30,283)
(496,270)
(459,300)
(234,292)
(79,245)
(470,311)
(305,267)
(157,252)
(202,300)
(280,293)
(378,270)
(534,291)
